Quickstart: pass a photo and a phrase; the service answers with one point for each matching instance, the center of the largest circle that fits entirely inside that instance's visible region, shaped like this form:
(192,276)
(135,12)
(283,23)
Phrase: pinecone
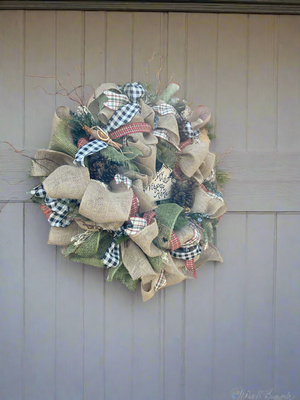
(183,192)
(109,173)
(102,169)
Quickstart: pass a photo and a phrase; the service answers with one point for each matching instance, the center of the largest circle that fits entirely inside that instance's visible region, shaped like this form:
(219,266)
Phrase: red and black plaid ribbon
(174,242)
(130,128)
(149,215)
(134,206)
(190,266)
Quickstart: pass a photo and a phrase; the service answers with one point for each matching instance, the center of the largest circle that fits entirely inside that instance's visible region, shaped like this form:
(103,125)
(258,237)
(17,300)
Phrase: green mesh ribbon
(121,274)
(60,141)
(91,250)
(166,216)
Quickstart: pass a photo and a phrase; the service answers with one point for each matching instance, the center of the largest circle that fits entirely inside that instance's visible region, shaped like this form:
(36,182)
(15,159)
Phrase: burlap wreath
(128,183)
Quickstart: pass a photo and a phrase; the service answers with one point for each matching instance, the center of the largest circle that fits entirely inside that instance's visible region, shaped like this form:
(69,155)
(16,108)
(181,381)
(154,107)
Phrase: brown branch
(32,158)
(5,204)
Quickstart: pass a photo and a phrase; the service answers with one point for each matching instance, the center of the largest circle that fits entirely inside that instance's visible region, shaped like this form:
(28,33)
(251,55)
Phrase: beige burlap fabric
(48,160)
(93,103)
(147,114)
(104,206)
(144,239)
(61,137)
(199,117)
(135,261)
(204,136)
(205,168)
(174,273)
(67,182)
(63,236)
(184,234)
(204,203)
(192,157)
(169,123)
(210,254)
(146,204)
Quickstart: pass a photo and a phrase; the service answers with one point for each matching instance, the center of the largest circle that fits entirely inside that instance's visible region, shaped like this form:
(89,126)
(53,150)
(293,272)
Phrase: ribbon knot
(126,105)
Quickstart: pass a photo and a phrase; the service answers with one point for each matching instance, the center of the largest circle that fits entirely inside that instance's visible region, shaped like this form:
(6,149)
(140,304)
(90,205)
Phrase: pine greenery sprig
(166,153)
(211,135)
(222,177)
(121,274)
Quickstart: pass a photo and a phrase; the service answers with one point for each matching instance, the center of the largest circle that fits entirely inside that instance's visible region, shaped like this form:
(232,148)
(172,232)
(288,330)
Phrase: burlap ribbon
(63,236)
(209,204)
(46,161)
(144,236)
(104,206)
(68,182)
(192,156)
(205,168)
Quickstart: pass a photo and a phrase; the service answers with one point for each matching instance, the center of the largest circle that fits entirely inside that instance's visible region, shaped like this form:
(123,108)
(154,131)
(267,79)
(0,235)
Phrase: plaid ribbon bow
(137,224)
(112,258)
(123,179)
(59,207)
(88,149)
(125,109)
(186,130)
(164,109)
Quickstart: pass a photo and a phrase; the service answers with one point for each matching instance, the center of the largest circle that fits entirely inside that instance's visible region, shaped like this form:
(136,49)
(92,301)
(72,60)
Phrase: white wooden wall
(66,333)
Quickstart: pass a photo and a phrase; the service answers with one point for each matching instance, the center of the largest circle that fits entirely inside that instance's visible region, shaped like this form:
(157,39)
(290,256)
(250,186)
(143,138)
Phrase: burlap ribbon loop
(206,204)
(48,160)
(136,261)
(192,156)
(67,182)
(205,168)
(144,239)
(104,206)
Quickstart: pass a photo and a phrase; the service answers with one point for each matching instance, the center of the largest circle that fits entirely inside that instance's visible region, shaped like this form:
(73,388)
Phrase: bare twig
(5,204)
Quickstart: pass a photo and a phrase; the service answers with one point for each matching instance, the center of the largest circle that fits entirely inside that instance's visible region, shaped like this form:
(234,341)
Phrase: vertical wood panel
(40,282)
(119,351)
(69,285)
(119,47)
(289,83)
(174,296)
(199,334)
(229,316)
(94,295)
(11,99)
(39,60)
(177,51)
(262,83)
(202,59)
(11,302)
(231,118)
(147,373)
(147,42)
(12,76)
(94,49)
(259,302)
(287,361)
(69,329)
(118,300)
(94,333)
(69,52)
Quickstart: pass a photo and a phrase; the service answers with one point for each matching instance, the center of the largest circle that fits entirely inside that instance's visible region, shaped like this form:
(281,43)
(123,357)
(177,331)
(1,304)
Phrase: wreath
(128,183)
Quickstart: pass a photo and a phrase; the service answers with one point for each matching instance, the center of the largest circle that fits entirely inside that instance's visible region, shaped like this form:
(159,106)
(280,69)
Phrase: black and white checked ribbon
(59,207)
(187,253)
(186,130)
(124,114)
(90,148)
(112,258)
